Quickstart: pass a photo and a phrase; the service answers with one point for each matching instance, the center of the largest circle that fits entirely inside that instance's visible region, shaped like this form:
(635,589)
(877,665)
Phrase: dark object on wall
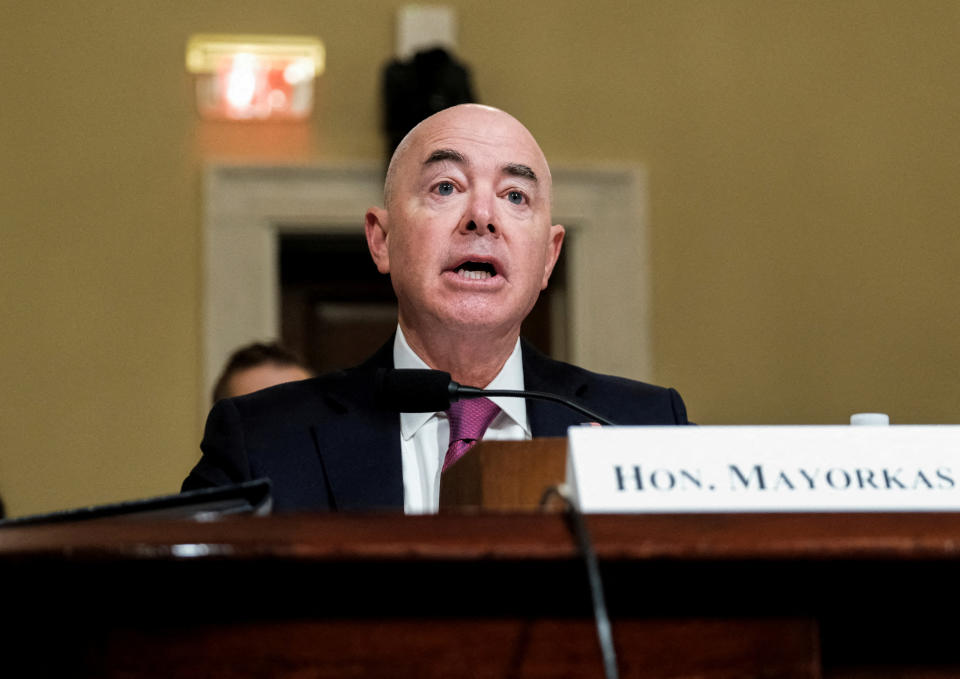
(415,89)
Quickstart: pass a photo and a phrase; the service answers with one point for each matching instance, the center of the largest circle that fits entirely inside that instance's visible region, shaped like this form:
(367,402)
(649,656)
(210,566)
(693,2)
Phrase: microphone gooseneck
(423,391)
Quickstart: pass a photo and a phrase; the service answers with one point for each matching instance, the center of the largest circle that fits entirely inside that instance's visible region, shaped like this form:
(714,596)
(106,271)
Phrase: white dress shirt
(424,437)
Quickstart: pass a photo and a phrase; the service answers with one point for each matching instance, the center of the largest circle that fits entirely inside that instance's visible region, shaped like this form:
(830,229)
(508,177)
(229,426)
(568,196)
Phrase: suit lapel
(360,452)
(544,374)
(359,444)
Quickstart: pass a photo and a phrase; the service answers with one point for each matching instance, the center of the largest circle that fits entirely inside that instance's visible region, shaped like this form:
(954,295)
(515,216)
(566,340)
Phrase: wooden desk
(483,596)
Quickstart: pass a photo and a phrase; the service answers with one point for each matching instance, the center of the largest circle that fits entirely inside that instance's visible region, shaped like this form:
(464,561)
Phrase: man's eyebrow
(440,155)
(511,169)
(519,170)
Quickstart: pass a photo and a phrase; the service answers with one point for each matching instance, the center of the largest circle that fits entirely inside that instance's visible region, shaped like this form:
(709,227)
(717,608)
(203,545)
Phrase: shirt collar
(509,377)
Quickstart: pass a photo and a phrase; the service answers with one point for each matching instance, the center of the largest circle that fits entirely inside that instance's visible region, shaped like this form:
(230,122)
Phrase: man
(257,366)
(466,237)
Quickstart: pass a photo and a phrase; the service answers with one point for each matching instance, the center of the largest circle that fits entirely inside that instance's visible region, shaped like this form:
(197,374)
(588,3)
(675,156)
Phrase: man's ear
(375,227)
(554,243)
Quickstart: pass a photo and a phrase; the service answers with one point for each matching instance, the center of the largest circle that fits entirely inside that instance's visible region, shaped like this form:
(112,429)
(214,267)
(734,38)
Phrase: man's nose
(489,228)
(480,218)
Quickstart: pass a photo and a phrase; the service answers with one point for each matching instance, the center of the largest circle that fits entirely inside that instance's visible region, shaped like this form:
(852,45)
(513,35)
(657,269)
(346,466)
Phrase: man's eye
(515,197)
(445,188)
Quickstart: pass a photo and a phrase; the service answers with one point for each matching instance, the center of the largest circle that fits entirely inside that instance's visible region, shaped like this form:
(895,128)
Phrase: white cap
(870,419)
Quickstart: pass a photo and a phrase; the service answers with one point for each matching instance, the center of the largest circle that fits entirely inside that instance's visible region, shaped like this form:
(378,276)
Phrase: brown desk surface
(719,595)
(928,536)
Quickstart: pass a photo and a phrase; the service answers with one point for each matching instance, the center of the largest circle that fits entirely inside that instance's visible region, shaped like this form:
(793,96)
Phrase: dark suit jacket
(325,445)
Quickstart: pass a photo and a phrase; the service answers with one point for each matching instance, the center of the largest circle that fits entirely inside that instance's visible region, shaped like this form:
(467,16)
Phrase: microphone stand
(459,392)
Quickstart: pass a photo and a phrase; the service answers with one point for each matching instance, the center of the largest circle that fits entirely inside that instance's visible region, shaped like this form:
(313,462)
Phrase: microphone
(427,391)
(414,391)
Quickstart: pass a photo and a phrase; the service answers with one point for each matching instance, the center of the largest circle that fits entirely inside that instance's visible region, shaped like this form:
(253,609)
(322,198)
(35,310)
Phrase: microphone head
(412,391)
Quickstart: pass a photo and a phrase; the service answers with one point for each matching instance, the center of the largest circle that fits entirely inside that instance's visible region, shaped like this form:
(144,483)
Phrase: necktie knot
(469,420)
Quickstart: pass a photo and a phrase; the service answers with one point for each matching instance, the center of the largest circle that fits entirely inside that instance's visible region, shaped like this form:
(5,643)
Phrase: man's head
(465,233)
(257,366)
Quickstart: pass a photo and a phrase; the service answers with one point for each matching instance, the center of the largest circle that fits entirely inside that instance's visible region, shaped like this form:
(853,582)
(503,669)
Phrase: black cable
(459,391)
(578,528)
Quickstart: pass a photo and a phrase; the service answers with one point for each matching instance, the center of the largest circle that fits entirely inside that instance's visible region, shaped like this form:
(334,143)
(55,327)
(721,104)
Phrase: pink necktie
(468,420)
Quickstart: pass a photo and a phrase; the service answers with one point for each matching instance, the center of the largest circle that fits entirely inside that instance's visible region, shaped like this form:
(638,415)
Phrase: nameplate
(765,468)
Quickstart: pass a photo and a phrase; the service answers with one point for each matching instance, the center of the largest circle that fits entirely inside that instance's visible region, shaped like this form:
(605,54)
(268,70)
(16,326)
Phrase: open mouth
(476,271)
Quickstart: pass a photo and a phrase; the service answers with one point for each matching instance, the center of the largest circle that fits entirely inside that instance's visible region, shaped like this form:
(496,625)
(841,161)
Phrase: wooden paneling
(789,595)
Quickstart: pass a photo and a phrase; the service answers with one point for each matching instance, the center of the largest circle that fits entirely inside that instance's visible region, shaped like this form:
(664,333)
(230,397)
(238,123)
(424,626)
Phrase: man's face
(466,234)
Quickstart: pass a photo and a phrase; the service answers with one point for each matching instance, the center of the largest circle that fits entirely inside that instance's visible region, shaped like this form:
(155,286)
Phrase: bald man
(466,237)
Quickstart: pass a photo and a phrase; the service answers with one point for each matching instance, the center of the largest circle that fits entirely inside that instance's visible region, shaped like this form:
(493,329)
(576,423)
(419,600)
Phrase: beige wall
(804,162)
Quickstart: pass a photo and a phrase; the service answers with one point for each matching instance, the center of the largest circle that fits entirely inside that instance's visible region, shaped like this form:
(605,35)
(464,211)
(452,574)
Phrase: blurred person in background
(257,366)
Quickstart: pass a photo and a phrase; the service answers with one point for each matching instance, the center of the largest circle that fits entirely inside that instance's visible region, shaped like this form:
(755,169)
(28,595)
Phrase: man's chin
(496,316)
(480,324)
(477,321)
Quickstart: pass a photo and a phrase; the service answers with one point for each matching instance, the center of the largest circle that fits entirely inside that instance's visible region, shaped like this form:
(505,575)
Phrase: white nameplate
(765,468)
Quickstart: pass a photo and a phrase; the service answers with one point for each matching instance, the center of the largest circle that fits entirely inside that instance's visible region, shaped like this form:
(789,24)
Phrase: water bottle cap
(870,419)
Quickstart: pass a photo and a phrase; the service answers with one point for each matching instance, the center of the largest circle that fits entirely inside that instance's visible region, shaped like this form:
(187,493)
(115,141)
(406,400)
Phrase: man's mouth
(476,271)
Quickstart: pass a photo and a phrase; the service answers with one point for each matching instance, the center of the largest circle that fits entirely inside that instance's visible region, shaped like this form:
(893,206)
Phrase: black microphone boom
(426,391)
(463,392)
